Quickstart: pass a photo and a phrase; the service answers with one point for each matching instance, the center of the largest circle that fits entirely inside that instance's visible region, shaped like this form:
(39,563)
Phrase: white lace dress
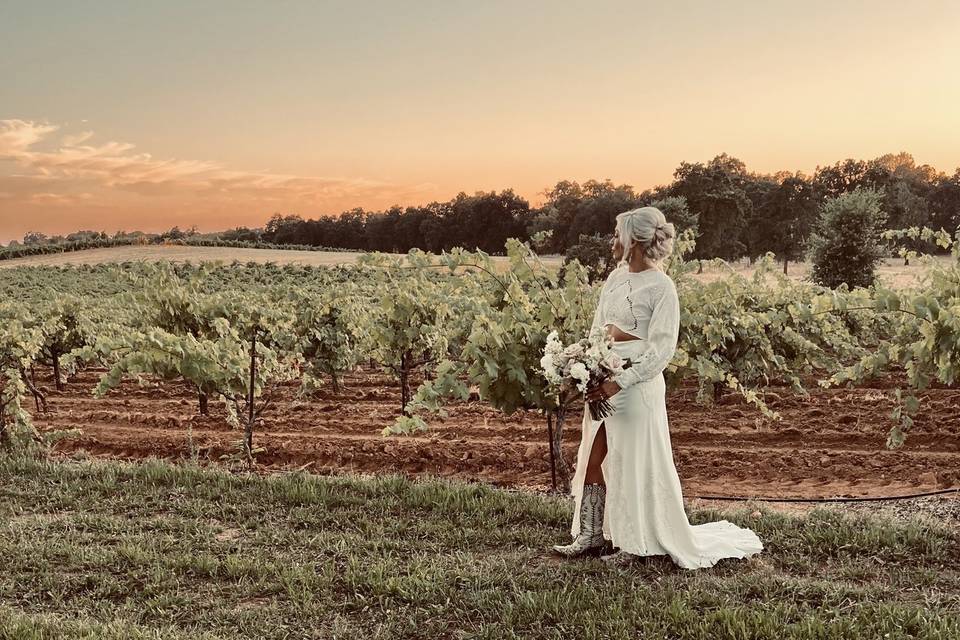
(644,512)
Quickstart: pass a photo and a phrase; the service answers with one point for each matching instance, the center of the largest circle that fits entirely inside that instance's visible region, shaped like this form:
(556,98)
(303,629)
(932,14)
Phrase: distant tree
(846,245)
(783,218)
(602,203)
(87,236)
(586,209)
(138,237)
(901,166)
(842,177)
(485,221)
(34,238)
(287,229)
(676,211)
(428,224)
(906,187)
(594,252)
(906,209)
(381,229)
(350,229)
(241,234)
(560,207)
(423,227)
(735,212)
(173,234)
(716,193)
(757,233)
(944,202)
(546,219)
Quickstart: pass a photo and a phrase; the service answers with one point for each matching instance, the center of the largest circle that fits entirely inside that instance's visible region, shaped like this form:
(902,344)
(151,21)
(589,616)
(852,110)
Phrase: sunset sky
(136,115)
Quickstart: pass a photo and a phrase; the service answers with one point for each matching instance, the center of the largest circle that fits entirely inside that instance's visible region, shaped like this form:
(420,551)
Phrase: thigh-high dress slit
(644,512)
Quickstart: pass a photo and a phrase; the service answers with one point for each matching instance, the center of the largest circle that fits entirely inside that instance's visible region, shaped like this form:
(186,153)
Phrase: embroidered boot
(590,539)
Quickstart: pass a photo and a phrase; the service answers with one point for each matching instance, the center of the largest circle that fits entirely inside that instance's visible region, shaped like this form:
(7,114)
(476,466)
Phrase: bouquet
(587,363)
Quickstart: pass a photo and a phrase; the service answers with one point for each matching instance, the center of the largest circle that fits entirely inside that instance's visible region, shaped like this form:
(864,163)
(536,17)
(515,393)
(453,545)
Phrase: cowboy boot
(590,539)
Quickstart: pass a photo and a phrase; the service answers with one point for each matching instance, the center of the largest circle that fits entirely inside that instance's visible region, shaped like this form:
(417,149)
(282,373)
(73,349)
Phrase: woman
(626,486)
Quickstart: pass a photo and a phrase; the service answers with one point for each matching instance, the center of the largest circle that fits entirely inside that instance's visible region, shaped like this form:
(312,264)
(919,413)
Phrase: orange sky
(144,117)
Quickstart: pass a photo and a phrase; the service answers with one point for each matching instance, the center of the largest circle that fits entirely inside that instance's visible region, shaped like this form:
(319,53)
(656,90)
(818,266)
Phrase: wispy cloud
(17,136)
(115,165)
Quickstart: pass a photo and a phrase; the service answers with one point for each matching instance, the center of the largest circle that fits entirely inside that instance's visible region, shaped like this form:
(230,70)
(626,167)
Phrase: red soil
(828,444)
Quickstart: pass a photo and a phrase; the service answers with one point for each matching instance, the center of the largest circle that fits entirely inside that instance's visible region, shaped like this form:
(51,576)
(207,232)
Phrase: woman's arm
(661,340)
(598,314)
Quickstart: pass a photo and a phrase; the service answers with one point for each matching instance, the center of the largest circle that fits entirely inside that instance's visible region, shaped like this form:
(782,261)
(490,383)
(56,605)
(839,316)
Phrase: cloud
(116,166)
(17,136)
(73,140)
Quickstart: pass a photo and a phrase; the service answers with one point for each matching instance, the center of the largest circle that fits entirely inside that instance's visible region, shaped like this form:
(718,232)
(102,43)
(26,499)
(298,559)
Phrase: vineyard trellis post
(560,471)
(248,431)
(553,458)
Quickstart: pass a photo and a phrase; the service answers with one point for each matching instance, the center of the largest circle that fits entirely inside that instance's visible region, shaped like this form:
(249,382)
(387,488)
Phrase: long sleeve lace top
(643,304)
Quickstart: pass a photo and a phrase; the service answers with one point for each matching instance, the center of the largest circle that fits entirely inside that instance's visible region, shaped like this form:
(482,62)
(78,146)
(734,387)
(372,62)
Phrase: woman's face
(616,247)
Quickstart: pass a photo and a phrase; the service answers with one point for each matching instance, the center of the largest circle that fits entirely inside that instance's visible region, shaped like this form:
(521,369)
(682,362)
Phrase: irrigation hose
(864,499)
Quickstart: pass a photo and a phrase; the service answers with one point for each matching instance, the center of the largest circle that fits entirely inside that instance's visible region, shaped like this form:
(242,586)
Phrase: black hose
(866,499)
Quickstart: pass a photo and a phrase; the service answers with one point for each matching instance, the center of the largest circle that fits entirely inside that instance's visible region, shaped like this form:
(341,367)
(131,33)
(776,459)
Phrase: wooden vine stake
(248,439)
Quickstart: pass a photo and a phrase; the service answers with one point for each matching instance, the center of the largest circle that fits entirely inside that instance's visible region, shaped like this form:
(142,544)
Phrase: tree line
(735,212)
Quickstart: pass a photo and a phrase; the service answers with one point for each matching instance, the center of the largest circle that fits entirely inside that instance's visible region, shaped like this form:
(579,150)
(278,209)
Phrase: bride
(626,487)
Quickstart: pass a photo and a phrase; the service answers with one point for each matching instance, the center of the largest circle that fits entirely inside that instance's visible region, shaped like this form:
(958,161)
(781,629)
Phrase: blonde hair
(648,229)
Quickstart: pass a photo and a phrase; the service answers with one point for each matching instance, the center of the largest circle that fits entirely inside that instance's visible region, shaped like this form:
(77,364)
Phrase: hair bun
(661,232)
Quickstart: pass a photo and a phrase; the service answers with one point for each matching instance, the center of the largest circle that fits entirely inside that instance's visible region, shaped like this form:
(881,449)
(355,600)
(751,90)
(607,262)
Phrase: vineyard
(429,364)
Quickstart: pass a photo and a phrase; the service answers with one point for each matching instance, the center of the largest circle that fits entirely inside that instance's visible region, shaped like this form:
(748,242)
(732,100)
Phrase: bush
(846,245)
(594,253)
(676,211)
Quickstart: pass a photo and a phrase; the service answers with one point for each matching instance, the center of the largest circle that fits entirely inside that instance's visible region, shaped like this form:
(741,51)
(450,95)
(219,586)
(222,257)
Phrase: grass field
(180,253)
(112,550)
(891,270)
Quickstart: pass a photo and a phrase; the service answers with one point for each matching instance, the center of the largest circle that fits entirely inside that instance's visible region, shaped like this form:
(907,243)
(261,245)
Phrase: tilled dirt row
(830,443)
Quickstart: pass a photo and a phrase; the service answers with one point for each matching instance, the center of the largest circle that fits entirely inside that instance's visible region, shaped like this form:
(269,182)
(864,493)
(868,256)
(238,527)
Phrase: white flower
(574,364)
(553,345)
(574,350)
(594,356)
(549,368)
(579,372)
(613,361)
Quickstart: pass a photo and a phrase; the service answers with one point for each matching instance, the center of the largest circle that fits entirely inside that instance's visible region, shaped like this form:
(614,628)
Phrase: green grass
(111,550)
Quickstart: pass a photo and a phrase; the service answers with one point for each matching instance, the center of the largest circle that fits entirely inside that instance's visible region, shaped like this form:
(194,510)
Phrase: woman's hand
(605,390)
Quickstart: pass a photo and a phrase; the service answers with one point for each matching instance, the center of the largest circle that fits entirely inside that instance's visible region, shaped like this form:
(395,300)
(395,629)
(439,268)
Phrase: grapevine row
(236,332)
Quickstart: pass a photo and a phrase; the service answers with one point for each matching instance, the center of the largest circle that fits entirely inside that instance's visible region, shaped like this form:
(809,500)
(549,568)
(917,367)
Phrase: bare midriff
(619,335)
